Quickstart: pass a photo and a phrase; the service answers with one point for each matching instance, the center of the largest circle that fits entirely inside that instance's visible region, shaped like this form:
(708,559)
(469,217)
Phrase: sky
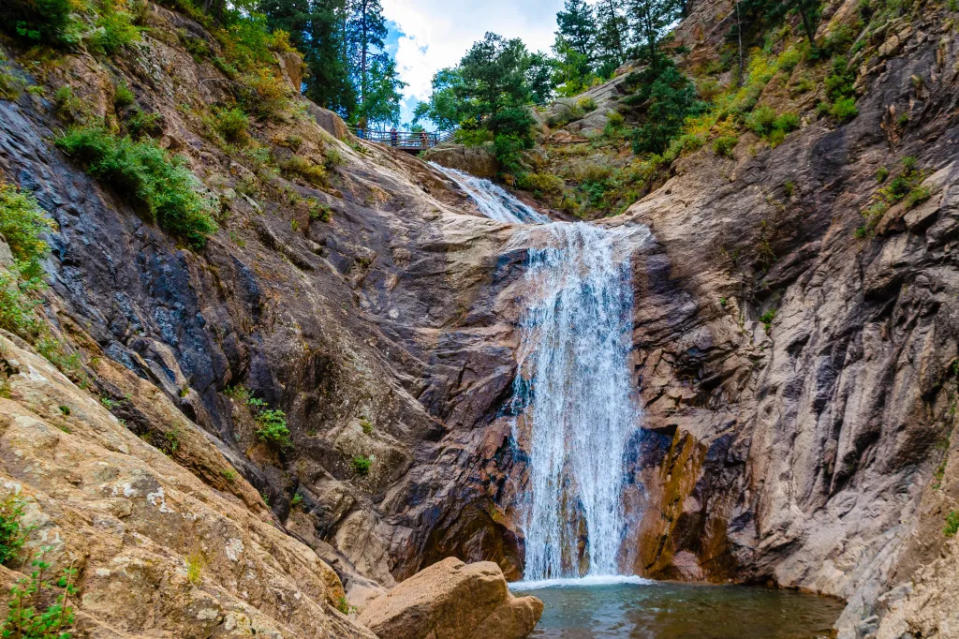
(427,35)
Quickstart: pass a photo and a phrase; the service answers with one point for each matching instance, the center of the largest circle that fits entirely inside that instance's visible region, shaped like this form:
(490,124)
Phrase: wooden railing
(406,140)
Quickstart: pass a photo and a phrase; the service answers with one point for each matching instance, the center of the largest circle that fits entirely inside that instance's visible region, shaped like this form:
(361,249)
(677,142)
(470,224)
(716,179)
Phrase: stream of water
(575,412)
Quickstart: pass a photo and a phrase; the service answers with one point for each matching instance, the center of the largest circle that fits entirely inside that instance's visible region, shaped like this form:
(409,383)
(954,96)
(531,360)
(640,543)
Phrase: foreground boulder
(453,600)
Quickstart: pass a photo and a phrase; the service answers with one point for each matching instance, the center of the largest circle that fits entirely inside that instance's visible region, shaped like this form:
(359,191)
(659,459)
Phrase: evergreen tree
(317,29)
(365,32)
(577,27)
(612,35)
(539,77)
(649,21)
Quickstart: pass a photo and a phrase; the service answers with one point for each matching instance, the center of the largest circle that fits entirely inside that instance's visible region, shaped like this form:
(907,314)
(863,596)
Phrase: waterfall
(572,393)
(492,200)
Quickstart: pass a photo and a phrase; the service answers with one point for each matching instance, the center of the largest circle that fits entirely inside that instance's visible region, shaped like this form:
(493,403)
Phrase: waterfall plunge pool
(635,608)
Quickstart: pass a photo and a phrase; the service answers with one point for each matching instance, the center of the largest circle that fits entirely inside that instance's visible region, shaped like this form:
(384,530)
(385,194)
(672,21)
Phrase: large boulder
(453,600)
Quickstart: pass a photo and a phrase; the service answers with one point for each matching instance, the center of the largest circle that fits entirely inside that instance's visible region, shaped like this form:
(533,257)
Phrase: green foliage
(263,94)
(147,176)
(12,531)
(297,500)
(952,524)
(114,29)
(320,211)
(26,616)
(366,425)
(233,124)
(299,166)
(41,21)
(844,109)
(539,182)
(272,427)
(724,145)
(22,225)
(10,85)
(767,318)
(882,173)
(904,187)
(586,104)
(669,98)
(362,465)
(123,96)
(229,474)
(195,562)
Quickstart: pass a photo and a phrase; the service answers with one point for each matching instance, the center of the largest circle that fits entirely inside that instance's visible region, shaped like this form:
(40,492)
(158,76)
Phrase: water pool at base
(658,610)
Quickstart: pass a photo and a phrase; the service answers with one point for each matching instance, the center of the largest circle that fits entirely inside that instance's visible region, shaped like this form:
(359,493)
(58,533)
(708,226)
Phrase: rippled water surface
(654,610)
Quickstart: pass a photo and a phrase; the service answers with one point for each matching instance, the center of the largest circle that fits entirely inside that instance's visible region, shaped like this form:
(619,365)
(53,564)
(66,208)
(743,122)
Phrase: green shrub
(724,145)
(761,120)
(916,196)
(615,119)
(27,619)
(147,176)
(789,58)
(786,122)
(542,182)
(263,94)
(12,531)
(300,166)
(952,524)
(586,104)
(844,109)
(297,500)
(320,211)
(23,224)
(272,427)
(839,82)
(881,174)
(767,318)
(45,21)
(362,464)
(142,124)
(123,96)
(233,124)
(114,29)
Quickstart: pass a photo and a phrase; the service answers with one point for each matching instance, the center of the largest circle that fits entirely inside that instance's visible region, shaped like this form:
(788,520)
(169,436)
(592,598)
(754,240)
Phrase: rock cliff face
(811,449)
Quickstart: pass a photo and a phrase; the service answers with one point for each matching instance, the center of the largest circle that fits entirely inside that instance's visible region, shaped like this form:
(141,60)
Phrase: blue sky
(427,35)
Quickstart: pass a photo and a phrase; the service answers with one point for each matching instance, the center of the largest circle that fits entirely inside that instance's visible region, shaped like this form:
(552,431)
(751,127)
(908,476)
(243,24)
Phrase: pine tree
(577,27)
(612,35)
(649,21)
(317,29)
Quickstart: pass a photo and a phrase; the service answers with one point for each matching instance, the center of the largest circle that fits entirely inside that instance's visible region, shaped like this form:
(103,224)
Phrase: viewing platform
(409,141)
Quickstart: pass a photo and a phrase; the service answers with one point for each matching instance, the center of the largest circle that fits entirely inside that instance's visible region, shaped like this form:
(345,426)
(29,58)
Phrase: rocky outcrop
(453,600)
(158,550)
(475,160)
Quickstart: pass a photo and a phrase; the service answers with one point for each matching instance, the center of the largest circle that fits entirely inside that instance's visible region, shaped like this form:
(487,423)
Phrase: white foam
(580,582)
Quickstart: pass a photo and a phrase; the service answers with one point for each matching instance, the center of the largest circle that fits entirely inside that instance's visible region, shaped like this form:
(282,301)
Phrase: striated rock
(158,551)
(453,600)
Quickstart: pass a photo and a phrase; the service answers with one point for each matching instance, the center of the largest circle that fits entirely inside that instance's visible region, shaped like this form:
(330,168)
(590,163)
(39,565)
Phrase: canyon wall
(808,447)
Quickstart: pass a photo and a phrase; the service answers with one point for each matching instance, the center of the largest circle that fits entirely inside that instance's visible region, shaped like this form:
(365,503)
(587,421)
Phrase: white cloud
(436,33)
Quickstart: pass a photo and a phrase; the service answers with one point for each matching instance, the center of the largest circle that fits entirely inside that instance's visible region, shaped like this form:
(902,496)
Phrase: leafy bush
(724,145)
(140,124)
(233,124)
(26,619)
(844,109)
(300,166)
(12,531)
(263,94)
(586,104)
(542,182)
(952,524)
(46,21)
(839,82)
(767,318)
(272,427)
(761,120)
(114,29)
(507,147)
(147,176)
(362,464)
(123,96)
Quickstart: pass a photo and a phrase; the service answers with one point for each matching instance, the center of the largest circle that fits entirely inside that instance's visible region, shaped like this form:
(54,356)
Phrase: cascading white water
(574,383)
(572,392)
(492,200)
